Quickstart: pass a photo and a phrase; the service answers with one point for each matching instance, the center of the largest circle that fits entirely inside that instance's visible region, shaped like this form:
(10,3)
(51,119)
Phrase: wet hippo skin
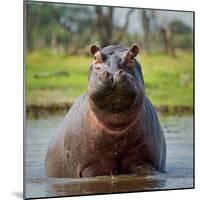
(112,128)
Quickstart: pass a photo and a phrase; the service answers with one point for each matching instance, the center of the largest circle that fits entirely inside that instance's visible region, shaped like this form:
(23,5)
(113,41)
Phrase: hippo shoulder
(154,135)
(72,120)
(77,106)
(75,114)
(55,166)
(150,115)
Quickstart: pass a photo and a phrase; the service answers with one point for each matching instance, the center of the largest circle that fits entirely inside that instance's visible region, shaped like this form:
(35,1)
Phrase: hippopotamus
(112,128)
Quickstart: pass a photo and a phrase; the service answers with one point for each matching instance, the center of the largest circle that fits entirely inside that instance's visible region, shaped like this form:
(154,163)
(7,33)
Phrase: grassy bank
(53,79)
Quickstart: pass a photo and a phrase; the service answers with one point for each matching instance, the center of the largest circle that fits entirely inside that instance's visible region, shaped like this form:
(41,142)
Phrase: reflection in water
(179,137)
(97,185)
(107,185)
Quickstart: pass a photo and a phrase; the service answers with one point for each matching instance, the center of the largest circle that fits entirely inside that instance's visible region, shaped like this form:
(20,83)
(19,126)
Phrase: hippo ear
(94,49)
(134,49)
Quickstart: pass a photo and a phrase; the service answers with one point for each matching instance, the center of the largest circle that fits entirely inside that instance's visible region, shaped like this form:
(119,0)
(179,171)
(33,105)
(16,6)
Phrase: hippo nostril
(120,76)
(105,74)
(120,72)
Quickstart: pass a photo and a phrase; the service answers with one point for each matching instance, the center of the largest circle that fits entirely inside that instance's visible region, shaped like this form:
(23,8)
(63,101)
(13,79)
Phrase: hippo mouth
(116,111)
(116,102)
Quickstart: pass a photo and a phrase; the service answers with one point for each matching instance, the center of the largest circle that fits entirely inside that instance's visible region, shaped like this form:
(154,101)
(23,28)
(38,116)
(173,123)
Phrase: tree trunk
(168,41)
(145,23)
(104,25)
(122,30)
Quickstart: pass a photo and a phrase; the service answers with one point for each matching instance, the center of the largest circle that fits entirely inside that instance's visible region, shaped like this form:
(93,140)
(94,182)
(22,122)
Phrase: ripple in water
(179,139)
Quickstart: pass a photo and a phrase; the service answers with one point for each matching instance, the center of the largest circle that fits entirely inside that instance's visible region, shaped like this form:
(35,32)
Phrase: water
(179,139)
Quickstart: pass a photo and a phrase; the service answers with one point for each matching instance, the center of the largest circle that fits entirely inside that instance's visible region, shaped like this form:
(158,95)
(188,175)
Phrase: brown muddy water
(179,137)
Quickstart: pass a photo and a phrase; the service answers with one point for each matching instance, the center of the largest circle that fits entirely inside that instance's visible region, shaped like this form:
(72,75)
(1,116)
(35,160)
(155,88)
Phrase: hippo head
(115,82)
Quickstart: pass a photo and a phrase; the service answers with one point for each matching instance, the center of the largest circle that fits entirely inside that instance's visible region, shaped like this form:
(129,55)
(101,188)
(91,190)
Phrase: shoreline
(37,111)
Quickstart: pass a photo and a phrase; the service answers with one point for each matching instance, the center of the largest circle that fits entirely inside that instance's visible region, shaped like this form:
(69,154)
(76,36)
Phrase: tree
(167,36)
(73,27)
(39,24)
(146,28)
(105,25)
(179,27)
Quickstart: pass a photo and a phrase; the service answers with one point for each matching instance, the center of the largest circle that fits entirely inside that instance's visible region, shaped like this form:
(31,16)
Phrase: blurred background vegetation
(58,37)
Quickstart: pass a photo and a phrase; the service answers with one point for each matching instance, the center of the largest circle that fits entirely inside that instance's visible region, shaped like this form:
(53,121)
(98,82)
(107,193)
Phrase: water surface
(179,139)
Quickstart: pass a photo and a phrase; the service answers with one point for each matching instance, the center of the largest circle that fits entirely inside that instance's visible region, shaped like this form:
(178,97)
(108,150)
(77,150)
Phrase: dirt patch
(37,111)
(175,110)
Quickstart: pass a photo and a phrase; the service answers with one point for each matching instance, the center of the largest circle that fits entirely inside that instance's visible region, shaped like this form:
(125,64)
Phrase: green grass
(168,80)
(55,89)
